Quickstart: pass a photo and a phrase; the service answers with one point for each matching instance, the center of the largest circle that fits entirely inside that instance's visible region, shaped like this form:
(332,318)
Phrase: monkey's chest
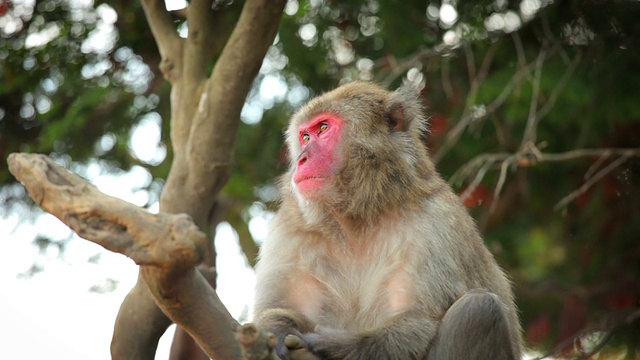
(358,297)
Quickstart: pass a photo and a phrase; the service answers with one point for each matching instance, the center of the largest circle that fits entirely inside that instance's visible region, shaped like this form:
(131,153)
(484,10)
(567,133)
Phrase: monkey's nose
(302,159)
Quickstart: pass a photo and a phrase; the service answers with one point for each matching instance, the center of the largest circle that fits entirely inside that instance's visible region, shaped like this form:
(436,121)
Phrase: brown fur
(378,261)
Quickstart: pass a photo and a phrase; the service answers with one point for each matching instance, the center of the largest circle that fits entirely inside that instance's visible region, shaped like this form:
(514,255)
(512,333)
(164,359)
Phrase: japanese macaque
(372,255)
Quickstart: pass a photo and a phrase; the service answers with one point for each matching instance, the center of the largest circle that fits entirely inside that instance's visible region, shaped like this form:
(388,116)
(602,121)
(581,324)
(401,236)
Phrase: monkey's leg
(474,327)
(406,337)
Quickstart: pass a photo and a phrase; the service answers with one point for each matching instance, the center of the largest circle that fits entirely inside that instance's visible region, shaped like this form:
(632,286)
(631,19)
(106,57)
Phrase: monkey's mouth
(299,180)
(310,186)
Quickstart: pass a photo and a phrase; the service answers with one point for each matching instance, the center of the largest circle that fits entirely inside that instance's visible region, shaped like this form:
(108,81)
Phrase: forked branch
(168,245)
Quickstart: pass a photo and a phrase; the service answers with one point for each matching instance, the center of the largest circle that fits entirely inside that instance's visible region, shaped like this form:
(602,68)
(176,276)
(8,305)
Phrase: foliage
(491,69)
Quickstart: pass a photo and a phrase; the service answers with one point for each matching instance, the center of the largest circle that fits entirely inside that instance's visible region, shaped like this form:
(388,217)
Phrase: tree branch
(402,66)
(609,330)
(478,78)
(589,183)
(559,88)
(198,43)
(169,246)
(446,77)
(467,116)
(471,61)
(529,156)
(530,132)
(501,180)
(217,118)
(166,36)
(164,240)
(455,133)
(517,42)
(141,341)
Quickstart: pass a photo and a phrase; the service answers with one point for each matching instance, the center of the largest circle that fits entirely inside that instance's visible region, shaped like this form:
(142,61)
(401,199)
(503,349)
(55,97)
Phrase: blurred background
(535,121)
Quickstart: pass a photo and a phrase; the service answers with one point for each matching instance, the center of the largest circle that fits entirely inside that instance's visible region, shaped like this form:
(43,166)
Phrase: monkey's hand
(293,347)
(330,343)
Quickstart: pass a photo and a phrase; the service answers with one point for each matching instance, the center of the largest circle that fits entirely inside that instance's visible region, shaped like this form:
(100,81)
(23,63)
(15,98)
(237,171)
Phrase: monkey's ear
(394,114)
(404,110)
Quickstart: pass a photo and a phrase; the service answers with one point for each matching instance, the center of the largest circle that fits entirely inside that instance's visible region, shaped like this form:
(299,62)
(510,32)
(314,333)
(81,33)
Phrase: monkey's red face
(318,162)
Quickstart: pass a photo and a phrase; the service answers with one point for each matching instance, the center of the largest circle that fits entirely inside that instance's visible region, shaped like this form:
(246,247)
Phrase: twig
(454,134)
(599,175)
(531,153)
(410,61)
(517,42)
(596,165)
(530,130)
(487,61)
(467,169)
(558,89)
(476,181)
(478,79)
(471,61)
(446,78)
(605,339)
(500,132)
(580,153)
(611,330)
(549,34)
(501,180)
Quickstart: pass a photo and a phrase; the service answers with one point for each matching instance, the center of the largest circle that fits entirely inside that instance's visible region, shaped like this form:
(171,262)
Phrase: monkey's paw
(293,347)
(329,343)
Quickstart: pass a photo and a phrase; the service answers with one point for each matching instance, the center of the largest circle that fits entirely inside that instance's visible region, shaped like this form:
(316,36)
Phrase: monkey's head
(357,151)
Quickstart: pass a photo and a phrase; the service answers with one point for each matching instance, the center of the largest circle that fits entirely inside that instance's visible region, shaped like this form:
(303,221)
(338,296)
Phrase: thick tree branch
(204,143)
(166,36)
(213,133)
(197,54)
(169,246)
(139,341)
(187,91)
(167,241)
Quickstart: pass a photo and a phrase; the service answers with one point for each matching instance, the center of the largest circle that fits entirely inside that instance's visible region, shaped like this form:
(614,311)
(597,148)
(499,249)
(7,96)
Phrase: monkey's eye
(323,127)
(305,138)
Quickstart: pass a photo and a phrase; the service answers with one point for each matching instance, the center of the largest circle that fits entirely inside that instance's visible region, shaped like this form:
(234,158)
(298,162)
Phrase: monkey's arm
(407,336)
